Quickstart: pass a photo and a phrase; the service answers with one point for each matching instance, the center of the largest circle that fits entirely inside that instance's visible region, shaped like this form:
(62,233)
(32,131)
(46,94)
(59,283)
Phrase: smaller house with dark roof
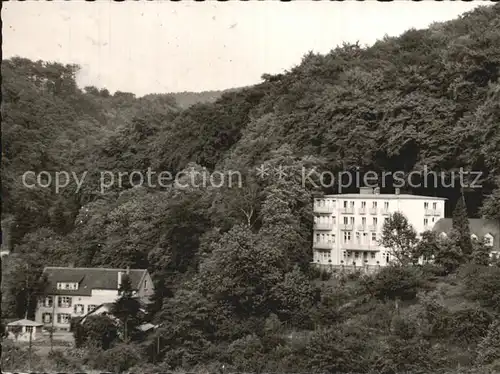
(480,229)
(74,292)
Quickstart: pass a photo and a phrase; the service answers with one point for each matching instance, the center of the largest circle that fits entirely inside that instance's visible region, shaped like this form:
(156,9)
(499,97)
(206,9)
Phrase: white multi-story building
(74,292)
(348,227)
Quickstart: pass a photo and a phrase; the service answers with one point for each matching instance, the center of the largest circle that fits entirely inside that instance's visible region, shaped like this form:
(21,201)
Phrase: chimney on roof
(128,270)
(71,265)
(397,191)
(376,190)
(119,279)
(365,191)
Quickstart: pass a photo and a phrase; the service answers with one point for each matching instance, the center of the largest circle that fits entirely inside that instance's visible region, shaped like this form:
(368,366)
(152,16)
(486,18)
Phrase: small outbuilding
(24,328)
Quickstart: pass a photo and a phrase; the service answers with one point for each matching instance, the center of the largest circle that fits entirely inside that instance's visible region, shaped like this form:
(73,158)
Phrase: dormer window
(70,286)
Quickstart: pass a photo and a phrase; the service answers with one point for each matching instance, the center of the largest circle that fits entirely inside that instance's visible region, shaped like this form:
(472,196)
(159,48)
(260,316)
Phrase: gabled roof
(478,226)
(89,279)
(24,322)
(106,306)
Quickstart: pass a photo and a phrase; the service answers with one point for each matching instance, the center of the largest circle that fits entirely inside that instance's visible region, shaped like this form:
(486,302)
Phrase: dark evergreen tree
(127,308)
(449,254)
(161,291)
(480,253)
(461,226)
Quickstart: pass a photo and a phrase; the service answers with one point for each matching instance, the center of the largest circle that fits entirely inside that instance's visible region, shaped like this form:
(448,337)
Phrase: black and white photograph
(250,187)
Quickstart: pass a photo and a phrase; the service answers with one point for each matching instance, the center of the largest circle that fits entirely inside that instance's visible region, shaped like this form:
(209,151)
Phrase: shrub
(64,362)
(489,347)
(469,325)
(98,330)
(247,354)
(482,284)
(117,359)
(393,282)
(339,350)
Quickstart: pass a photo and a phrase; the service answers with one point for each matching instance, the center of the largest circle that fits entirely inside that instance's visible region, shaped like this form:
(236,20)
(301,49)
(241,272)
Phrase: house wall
(335,246)
(97,298)
(24,334)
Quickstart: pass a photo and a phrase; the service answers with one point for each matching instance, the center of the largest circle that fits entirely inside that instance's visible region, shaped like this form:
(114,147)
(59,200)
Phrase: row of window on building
(67,286)
(66,302)
(347,236)
(351,255)
(348,204)
(352,204)
(331,221)
(358,254)
(62,318)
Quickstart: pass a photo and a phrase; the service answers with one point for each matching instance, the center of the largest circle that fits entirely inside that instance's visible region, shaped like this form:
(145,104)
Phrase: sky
(158,47)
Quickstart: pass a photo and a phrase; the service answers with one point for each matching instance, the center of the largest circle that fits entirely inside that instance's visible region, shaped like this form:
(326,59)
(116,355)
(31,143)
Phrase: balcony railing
(431,212)
(323,226)
(362,227)
(372,228)
(347,227)
(362,211)
(324,209)
(373,211)
(349,267)
(359,246)
(348,210)
(323,244)
(384,212)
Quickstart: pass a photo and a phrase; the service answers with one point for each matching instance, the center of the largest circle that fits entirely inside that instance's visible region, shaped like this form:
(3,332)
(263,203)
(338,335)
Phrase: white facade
(348,227)
(57,309)
(64,307)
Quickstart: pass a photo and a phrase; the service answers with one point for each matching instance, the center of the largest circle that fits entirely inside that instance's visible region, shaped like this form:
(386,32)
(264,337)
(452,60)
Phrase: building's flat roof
(382,196)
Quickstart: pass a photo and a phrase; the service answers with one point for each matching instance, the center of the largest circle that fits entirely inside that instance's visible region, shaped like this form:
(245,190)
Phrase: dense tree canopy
(231,262)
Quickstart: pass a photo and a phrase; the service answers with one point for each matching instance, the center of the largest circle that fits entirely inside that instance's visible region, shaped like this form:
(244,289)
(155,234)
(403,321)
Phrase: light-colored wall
(24,335)
(412,208)
(98,297)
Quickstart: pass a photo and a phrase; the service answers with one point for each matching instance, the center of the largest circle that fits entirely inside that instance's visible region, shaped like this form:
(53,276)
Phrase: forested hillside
(186,99)
(231,264)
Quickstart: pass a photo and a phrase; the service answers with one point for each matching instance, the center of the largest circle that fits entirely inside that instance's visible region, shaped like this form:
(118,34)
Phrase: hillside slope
(231,264)
(186,99)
